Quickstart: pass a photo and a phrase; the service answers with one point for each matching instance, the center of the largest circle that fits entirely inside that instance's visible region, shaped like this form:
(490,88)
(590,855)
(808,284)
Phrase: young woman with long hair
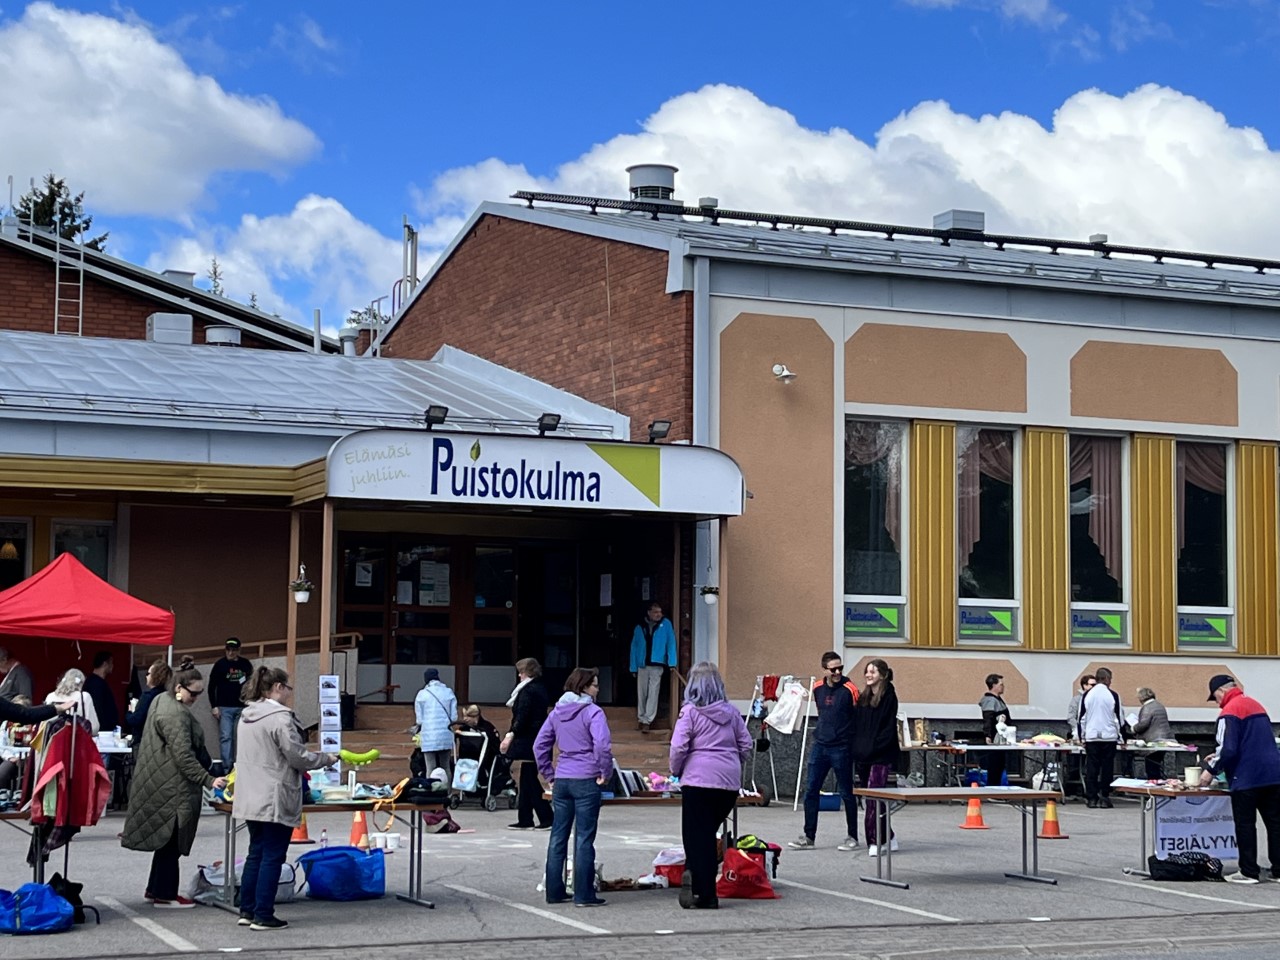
(708,747)
(875,742)
(271,757)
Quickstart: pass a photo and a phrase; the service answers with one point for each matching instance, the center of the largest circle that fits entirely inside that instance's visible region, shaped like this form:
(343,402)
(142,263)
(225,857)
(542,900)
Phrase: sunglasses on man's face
(835,667)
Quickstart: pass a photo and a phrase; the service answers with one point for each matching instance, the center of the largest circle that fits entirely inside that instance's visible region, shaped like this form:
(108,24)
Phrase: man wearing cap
(1248,757)
(226,680)
(436,709)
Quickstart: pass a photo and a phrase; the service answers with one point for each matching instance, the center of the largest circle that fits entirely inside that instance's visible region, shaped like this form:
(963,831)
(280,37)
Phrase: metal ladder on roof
(68,287)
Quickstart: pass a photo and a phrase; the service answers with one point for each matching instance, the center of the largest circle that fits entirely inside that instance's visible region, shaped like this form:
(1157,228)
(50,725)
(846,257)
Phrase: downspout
(706,561)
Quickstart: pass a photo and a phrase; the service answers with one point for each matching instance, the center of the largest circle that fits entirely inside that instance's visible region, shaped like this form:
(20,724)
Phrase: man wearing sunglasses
(836,697)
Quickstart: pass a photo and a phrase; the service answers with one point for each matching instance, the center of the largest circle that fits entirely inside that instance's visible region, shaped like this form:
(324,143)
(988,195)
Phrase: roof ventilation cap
(222,336)
(653,182)
(185,277)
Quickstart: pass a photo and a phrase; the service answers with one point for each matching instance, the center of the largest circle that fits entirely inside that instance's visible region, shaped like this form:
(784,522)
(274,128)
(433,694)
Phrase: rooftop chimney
(970,221)
(184,277)
(653,182)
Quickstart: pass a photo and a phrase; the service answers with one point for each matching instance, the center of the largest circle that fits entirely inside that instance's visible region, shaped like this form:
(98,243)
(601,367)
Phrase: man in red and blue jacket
(836,698)
(1247,755)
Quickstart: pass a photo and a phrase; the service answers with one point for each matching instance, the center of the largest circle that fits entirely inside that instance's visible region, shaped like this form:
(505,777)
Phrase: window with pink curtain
(873,508)
(1096,518)
(1201,488)
(984,513)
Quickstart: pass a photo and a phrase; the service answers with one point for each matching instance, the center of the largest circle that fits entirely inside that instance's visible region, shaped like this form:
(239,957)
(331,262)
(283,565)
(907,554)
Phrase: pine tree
(253,300)
(215,278)
(53,205)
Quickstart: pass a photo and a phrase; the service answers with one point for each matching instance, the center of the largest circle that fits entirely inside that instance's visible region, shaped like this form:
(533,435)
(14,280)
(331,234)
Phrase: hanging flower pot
(301,588)
(710,595)
(301,596)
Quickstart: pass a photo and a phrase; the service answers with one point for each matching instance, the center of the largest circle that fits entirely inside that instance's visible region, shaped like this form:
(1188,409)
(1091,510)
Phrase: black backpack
(1185,867)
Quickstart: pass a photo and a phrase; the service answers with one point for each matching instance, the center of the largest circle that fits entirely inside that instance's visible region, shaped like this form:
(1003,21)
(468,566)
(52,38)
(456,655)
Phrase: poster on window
(1196,824)
(364,573)
(330,690)
(433,584)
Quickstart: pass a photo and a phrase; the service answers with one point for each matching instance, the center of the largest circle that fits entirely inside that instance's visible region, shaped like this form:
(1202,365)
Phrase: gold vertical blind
(932,598)
(1046,541)
(1257,550)
(1155,553)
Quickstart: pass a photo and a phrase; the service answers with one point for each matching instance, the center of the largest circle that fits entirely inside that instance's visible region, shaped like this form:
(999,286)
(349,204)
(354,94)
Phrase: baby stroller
(479,775)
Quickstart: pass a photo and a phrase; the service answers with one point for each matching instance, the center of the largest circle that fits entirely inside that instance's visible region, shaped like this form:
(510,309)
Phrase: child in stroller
(475,738)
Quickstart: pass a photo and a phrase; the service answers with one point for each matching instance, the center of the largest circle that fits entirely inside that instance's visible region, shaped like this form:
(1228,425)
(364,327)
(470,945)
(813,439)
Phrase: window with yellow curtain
(873,508)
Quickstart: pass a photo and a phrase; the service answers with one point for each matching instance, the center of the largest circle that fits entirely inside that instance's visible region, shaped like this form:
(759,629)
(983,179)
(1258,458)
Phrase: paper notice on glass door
(433,584)
(404,592)
(606,589)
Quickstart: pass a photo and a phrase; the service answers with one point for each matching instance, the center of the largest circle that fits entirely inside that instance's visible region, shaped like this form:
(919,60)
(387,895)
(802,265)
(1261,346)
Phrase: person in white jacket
(70,690)
(436,709)
(1102,730)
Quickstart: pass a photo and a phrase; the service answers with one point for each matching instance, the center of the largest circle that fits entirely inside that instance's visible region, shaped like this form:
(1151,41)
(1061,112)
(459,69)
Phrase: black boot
(686,890)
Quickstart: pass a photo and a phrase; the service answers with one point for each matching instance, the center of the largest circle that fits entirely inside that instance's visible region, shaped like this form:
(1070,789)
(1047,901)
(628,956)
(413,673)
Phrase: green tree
(53,206)
(215,278)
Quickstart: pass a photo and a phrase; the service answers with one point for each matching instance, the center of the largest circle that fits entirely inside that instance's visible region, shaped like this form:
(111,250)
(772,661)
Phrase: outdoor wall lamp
(436,414)
(782,374)
(548,423)
(658,430)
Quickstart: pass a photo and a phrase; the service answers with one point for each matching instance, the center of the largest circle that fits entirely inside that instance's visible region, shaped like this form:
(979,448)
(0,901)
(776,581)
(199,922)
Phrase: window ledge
(999,604)
(1208,611)
(1107,607)
(872,598)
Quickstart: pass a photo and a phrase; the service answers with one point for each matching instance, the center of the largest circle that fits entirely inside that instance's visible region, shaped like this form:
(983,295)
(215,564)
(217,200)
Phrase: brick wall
(26,303)
(536,300)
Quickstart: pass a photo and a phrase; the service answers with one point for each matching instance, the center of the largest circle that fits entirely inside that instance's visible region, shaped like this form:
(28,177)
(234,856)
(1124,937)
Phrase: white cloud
(1152,167)
(123,117)
(316,255)
(1041,13)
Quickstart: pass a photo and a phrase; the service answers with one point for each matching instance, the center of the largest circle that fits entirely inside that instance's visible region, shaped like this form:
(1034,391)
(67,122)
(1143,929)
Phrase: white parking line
(536,911)
(1173,893)
(149,925)
(879,903)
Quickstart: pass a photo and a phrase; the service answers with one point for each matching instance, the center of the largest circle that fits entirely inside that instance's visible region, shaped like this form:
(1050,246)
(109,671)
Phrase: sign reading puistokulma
(497,470)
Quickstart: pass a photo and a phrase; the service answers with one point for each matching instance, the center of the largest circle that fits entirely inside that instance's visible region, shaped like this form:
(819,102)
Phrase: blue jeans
(227,718)
(822,760)
(268,847)
(576,807)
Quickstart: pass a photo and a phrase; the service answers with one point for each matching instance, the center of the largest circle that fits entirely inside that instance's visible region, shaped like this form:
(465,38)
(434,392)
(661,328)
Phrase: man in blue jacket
(653,649)
(1247,755)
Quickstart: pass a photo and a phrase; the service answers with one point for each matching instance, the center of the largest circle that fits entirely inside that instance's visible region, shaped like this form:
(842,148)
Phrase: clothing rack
(762,731)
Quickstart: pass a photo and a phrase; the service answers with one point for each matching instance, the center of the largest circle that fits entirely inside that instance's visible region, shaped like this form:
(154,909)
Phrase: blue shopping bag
(34,908)
(344,873)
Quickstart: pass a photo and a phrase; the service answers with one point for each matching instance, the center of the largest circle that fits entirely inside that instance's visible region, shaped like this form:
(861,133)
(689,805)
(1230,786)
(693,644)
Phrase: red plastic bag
(742,878)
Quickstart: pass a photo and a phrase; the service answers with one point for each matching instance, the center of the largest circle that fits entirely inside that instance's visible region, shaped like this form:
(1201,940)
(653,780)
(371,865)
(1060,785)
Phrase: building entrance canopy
(523,471)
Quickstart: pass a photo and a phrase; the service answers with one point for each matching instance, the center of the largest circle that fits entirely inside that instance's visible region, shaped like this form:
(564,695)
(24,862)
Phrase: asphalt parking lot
(484,886)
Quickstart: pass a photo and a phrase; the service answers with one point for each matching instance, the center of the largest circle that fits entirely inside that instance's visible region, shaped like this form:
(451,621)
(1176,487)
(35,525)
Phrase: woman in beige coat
(270,760)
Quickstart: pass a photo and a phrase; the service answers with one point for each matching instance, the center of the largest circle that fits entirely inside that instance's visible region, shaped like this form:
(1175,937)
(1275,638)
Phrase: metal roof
(183,297)
(61,378)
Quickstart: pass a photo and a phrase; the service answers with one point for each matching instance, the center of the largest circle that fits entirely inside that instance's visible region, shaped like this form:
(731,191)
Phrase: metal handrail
(337,641)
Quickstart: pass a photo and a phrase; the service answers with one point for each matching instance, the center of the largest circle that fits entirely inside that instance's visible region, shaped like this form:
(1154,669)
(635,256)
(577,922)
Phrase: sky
(290,140)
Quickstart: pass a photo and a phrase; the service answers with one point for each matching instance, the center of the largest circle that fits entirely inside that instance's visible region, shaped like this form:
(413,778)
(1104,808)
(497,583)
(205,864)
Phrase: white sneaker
(1239,877)
(874,851)
(848,843)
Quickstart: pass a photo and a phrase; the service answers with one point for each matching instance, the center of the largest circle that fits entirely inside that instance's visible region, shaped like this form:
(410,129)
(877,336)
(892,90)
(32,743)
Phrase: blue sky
(289,139)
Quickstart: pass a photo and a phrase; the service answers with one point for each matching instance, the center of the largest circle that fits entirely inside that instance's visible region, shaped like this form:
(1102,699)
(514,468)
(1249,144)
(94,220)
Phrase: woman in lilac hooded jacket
(708,748)
(579,729)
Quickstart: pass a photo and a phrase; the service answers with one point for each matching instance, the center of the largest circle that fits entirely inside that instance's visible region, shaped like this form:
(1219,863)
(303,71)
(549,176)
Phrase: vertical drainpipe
(706,563)
(316,342)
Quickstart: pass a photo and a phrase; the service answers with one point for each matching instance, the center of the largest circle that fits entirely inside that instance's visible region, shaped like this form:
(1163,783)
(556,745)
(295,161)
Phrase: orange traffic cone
(300,834)
(973,816)
(1050,828)
(359,831)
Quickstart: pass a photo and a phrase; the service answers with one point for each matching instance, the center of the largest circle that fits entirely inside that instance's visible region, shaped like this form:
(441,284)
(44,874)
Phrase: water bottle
(324,838)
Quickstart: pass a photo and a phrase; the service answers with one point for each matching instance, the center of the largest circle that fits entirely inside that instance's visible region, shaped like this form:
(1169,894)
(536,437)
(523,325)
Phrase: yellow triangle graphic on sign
(640,465)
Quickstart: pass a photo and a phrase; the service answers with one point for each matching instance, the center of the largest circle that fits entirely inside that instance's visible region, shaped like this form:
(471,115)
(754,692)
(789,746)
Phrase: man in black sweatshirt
(836,697)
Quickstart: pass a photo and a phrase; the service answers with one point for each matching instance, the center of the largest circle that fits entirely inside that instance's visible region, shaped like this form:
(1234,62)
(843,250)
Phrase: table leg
(1147,808)
(414,895)
(226,898)
(884,844)
(1030,811)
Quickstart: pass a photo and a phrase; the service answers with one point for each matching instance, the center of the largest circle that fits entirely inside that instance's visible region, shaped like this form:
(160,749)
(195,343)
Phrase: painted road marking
(149,925)
(1172,893)
(536,911)
(870,900)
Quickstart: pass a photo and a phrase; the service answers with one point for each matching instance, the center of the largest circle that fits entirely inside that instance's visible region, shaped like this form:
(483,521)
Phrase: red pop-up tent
(68,601)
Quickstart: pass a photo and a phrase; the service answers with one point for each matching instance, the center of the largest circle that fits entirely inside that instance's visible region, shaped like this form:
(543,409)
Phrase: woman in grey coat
(271,757)
(165,794)
(1152,725)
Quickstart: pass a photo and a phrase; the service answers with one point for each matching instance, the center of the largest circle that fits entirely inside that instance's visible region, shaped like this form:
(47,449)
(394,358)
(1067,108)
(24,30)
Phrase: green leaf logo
(475,451)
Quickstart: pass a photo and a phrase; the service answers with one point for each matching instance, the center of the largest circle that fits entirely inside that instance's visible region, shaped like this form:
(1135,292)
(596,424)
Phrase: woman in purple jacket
(579,729)
(708,747)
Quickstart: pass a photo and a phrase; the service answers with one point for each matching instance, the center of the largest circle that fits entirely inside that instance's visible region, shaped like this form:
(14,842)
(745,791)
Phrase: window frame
(904,546)
(1229,611)
(1126,549)
(29,523)
(78,522)
(1016,506)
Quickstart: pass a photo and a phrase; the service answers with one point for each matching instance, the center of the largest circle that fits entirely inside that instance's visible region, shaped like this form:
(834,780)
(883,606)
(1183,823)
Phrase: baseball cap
(1219,680)
(233,642)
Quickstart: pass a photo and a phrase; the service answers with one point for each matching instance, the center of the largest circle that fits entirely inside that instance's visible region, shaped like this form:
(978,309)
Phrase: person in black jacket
(529,704)
(875,743)
(158,676)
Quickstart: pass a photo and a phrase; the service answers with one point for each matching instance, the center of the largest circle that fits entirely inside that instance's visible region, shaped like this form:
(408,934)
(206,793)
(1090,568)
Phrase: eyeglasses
(835,667)
(287,686)
(195,694)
